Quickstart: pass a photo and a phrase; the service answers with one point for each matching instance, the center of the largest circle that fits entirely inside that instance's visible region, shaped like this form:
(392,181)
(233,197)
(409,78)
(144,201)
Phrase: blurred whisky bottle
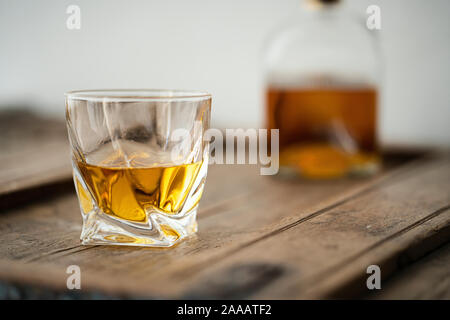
(322,82)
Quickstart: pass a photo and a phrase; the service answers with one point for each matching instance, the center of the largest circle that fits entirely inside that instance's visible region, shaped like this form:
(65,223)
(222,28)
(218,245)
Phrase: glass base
(323,160)
(363,169)
(160,230)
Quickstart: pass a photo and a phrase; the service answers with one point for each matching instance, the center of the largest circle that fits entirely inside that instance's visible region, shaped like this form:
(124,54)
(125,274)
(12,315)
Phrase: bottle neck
(322,11)
(322,4)
(322,7)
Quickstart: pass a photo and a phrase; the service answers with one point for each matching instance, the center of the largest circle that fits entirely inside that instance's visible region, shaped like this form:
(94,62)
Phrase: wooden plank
(428,278)
(35,153)
(253,230)
(313,249)
(324,254)
(223,182)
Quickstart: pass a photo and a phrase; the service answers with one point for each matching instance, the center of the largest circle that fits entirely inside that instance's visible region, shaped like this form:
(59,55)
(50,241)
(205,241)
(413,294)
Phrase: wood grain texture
(34,153)
(428,278)
(259,237)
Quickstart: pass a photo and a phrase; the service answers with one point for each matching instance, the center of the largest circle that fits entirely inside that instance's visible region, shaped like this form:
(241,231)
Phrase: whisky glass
(139,163)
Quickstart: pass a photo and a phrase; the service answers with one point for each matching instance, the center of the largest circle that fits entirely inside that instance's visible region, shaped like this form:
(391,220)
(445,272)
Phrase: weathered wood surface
(428,278)
(259,237)
(34,154)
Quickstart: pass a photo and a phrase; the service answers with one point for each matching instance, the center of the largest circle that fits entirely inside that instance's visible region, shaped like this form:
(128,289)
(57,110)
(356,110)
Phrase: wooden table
(259,236)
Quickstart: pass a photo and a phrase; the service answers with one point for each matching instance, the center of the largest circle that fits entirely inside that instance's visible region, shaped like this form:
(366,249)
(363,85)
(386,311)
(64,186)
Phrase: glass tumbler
(139,163)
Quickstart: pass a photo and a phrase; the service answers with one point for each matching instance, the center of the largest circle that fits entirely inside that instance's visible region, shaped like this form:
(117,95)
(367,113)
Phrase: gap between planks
(317,279)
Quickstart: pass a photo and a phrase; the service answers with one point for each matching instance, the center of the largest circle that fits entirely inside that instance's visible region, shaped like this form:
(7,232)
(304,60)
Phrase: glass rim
(124,95)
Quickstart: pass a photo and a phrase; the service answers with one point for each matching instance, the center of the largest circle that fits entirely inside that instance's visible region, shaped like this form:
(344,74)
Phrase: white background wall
(213,45)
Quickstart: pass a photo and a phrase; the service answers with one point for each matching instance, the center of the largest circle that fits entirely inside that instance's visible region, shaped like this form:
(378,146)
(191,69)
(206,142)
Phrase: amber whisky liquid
(129,190)
(325,132)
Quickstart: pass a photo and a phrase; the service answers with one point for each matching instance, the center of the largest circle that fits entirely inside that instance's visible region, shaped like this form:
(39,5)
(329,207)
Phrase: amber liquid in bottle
(325,132)
(129,192)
